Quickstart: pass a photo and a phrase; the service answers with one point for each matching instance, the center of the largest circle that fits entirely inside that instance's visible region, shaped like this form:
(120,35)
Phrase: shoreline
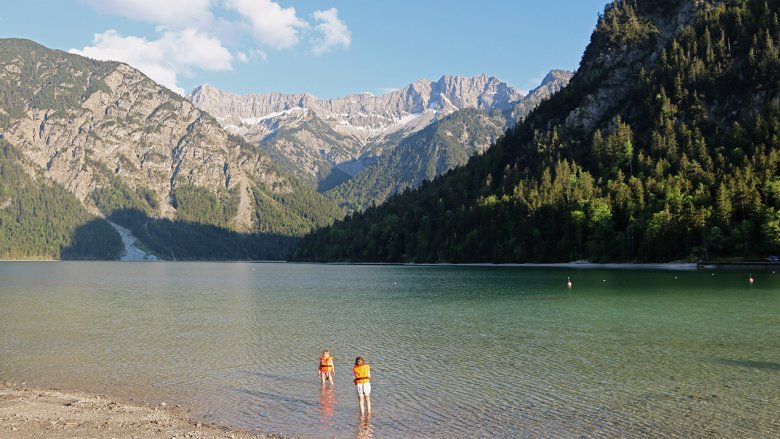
(673,266)
(661,266)
(670,266)
(27,412)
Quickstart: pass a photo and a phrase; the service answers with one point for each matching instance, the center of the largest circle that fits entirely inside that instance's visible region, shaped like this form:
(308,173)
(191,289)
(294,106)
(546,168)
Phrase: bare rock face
(365,117)
(75,119)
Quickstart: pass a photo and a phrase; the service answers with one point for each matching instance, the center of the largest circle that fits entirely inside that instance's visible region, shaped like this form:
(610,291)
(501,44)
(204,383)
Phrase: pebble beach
(34,413)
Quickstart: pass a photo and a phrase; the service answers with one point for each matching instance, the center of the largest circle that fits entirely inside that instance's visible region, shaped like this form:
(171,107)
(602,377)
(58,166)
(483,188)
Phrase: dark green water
(455,351)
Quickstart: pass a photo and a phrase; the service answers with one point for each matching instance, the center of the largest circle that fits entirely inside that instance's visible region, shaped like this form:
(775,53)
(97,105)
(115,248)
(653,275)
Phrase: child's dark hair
(359,361)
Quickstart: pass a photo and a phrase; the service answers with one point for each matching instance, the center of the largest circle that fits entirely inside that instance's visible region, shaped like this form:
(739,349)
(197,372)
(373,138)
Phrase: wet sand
(33,413)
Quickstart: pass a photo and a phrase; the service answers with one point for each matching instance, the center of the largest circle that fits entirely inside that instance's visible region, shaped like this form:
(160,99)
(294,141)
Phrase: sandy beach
(34,413)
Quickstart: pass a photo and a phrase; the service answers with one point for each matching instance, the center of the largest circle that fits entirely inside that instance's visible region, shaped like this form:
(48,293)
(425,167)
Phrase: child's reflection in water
(365,429)
(327,406)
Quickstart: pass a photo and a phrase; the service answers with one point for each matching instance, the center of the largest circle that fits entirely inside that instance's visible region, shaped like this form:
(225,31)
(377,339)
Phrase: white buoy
(568,282)
(750,279)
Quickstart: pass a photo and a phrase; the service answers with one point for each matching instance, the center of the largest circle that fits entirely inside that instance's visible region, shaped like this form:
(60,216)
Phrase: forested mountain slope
(663,146)
(128,149)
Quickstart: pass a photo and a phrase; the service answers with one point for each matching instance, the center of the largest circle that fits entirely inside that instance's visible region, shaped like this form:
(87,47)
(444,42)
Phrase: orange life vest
(326,364)
(362,373)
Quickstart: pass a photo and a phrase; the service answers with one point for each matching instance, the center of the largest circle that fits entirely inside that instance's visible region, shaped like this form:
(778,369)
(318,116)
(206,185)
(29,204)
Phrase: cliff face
(365,117)
(86,124)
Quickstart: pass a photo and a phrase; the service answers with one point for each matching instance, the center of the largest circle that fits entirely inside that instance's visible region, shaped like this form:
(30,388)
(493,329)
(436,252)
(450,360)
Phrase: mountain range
(325,143)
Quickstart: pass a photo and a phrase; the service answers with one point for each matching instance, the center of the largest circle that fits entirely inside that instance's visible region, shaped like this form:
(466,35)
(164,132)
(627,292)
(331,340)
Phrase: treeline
(45,221)
(686,166)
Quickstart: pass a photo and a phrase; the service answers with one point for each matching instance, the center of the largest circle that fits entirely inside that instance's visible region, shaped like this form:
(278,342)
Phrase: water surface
(455,351)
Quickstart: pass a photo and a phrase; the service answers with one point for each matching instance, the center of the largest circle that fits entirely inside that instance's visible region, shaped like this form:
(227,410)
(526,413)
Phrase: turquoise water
(455,351)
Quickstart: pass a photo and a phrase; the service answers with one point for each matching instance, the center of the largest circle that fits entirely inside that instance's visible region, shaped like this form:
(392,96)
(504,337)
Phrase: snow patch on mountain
(369,119)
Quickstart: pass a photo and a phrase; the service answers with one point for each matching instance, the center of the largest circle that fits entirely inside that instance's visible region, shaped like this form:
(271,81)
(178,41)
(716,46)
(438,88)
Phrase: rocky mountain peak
(557,75)
(482,92)
(363,116)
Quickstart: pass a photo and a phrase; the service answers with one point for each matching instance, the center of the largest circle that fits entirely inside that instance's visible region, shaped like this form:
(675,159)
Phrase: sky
(329,48)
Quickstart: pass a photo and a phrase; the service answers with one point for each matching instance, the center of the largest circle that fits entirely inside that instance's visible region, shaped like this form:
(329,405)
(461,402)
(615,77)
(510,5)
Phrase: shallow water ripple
(455,351)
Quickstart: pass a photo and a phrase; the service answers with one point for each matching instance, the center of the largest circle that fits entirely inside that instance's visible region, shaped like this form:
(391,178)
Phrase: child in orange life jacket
(362,373)
(327,370)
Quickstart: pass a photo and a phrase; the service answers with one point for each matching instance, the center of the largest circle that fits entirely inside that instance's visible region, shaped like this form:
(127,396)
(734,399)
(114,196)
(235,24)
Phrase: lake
(455,351)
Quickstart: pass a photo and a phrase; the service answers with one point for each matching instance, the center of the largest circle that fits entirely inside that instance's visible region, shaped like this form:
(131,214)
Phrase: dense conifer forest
(684,166)
(44,221)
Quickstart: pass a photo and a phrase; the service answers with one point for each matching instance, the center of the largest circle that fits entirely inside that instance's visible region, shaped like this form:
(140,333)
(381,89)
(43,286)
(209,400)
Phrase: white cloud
(196,34)
(270,24)
(165,12)
(192,48)
(163,60)
(332,30)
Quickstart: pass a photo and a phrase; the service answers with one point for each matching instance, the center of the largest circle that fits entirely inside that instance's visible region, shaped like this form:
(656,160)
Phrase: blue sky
(329,48)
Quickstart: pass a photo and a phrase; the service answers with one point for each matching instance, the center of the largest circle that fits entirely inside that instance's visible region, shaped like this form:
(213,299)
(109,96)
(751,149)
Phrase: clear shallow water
(455,351)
